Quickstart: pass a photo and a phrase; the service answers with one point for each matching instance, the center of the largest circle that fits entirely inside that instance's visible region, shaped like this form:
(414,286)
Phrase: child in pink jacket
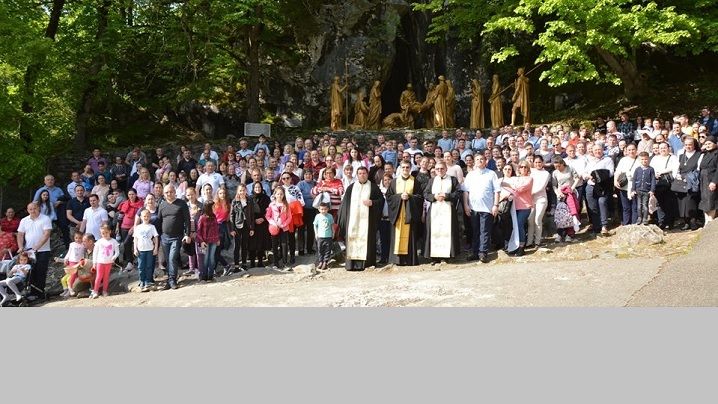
(279,218)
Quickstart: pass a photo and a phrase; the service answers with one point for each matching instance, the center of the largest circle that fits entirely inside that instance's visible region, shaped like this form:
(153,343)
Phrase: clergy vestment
(405,219)
(358,224)
(442,223)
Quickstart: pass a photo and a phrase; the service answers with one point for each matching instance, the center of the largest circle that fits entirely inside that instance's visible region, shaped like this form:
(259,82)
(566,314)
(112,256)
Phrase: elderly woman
(333,187)
(685,173)
(625,169)
(10,222)
(708,167)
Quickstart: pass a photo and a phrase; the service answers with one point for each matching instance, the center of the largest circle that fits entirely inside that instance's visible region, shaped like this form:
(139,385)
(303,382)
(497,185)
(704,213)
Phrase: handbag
(622,180)
(663,183)
(505,206)
(318,200)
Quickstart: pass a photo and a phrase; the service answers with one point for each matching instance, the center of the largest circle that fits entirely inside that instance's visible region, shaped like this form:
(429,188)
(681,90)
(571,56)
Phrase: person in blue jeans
(146,248)
(207,238)
(174,220)
(644,185)
(482,190)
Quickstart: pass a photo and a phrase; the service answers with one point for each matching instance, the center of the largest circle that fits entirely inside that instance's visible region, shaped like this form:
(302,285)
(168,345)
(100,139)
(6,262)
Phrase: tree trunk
(635,82)
(30,77)
(88,96)
(253,52)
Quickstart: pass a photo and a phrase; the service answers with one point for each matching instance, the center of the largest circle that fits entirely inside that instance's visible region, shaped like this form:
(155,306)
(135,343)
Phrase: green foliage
(571,34)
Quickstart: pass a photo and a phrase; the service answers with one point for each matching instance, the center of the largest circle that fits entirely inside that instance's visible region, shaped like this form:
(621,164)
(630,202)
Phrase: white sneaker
(557,238)
(93,295)
(569,239)
(130,266)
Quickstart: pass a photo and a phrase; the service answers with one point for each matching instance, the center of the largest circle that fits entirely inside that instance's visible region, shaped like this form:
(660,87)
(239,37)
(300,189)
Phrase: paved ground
(548,279)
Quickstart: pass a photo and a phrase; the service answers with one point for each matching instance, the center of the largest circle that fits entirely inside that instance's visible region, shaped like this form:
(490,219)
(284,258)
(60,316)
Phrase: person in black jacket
(708,166)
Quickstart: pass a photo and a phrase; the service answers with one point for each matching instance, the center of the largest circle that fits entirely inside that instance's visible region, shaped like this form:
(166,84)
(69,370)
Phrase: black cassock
(452,197)
(412,216)
(375,209)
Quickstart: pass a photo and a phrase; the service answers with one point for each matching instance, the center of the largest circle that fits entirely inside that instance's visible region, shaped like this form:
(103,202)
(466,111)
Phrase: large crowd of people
(381,201)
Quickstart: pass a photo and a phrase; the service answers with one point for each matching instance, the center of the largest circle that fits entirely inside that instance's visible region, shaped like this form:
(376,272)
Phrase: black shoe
(301,253)
(174,285)
(686,227)
(166,287)
(693,226)
(483,258)
(292,261)
(472,257)
(311,252)
(520,252)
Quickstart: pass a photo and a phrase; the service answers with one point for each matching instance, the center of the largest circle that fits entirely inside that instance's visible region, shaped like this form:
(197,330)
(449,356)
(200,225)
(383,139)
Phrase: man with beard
(358,218)
(405,199)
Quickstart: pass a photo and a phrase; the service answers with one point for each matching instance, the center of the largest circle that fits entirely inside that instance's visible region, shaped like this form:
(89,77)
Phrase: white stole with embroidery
(441,220)
(358,227)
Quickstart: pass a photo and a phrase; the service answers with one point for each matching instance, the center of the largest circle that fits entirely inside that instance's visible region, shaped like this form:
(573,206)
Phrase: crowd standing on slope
(398,201)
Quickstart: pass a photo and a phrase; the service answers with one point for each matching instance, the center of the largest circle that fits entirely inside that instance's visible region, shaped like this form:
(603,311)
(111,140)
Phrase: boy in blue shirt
(324,231)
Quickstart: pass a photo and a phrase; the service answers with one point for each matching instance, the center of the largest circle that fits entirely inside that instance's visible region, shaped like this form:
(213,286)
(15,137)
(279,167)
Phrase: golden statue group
(437,110)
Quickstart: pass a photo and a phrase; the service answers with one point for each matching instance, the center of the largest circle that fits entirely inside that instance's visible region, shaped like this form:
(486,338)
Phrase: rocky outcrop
(372,40)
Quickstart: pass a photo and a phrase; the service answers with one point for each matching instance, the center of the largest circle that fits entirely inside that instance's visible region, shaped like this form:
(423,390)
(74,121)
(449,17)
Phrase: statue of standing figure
(521,97)
(440,106)
(373,121)
(336,99)
(497,108)
(477,105)
(450,104)
(427,108)
(361,110)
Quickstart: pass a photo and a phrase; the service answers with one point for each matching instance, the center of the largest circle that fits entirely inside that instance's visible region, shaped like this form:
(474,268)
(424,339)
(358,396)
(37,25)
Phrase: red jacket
(207,230)
(277,214)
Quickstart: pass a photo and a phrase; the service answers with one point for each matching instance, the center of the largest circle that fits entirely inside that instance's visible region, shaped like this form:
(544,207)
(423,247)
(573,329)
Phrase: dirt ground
(587,272)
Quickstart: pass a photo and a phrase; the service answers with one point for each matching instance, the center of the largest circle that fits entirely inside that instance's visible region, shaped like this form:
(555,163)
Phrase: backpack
(562,216)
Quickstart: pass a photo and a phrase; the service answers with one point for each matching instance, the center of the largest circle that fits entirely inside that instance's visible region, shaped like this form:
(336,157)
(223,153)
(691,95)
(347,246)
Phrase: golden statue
(477,105)
(361,110)
(373,121)
(427,108)
(497,108)
(337,101)
(521,97)
(440,107)
(409,106)
(450,104)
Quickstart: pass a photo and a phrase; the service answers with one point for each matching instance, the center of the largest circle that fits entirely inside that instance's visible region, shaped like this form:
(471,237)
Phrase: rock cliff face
(371,40)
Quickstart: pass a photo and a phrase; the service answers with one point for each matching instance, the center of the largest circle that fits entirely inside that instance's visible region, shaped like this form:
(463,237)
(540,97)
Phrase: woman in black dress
(709,178)
(688,201)
(262,240)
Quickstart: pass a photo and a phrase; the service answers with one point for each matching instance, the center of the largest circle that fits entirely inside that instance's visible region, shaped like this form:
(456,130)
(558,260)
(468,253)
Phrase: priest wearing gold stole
(442,223)
(358,221)
(405,198)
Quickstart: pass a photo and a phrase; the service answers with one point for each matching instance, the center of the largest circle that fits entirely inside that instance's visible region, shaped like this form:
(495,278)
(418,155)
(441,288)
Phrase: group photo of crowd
(405,200)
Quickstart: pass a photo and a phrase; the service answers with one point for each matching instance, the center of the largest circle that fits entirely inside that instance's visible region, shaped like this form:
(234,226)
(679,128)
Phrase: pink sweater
(522,186)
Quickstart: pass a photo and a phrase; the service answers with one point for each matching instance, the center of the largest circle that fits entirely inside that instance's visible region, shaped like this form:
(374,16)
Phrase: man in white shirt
(94,218)
(34,234)
(481,202)
(210,177)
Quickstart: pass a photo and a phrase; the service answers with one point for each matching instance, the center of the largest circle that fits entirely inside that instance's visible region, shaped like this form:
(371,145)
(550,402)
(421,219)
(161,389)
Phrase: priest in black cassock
(442,223)
(358,221)
(405,197)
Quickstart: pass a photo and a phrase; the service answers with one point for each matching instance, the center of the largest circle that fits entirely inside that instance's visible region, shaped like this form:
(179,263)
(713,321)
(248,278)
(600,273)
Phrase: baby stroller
(25,287)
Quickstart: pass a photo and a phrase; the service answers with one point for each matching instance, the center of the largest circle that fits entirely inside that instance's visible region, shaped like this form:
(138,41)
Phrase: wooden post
(346,95)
